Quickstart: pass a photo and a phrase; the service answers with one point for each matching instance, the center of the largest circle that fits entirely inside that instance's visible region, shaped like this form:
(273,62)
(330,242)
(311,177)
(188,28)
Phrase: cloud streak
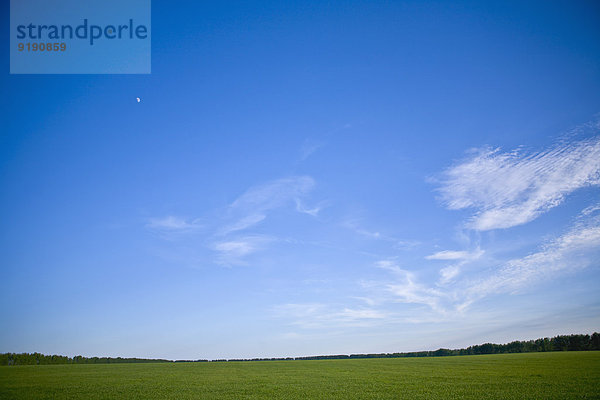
(253,206)
(405,288)
(576,249)
(234,252)
(171,223)
(229,233)
(461,258)
(318,315)
(173,226)
(508,189)
(309,147)
(455,255)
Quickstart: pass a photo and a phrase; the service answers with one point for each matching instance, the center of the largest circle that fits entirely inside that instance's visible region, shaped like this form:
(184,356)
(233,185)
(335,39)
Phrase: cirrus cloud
(507,189)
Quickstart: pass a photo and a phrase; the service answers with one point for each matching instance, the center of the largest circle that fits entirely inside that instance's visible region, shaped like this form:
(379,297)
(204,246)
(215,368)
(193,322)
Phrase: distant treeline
(41,359)
(557,343)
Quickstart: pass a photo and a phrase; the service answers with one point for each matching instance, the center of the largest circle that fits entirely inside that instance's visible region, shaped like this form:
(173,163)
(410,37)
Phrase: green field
(558,375)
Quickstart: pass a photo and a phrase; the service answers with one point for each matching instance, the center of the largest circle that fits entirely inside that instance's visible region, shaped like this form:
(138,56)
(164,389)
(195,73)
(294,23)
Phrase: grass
(559,375)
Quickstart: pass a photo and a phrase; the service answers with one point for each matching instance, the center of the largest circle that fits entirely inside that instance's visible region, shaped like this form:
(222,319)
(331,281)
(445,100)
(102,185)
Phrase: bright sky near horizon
(309,178)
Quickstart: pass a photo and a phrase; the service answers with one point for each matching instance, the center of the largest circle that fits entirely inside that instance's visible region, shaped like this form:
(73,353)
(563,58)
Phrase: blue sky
(305,178)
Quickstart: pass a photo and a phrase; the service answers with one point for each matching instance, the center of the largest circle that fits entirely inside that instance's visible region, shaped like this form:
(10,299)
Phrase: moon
(138,99)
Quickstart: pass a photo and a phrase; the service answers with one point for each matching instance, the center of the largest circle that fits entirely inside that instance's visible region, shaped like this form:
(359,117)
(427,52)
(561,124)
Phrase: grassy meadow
(555,375)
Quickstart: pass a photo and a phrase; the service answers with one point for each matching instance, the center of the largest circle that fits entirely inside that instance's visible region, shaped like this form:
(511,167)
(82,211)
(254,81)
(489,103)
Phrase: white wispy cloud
(303,315)
(274,193)
(173,223)
(253,206)
(455,255)
(507,189)
(357,314)
(355,226)
(243,223)
(405,288)
(314,211)
(234,252)
(309,147)
(460,257)
(578,248)
(228,232)
(312,145)
(319,315)
(447,274)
